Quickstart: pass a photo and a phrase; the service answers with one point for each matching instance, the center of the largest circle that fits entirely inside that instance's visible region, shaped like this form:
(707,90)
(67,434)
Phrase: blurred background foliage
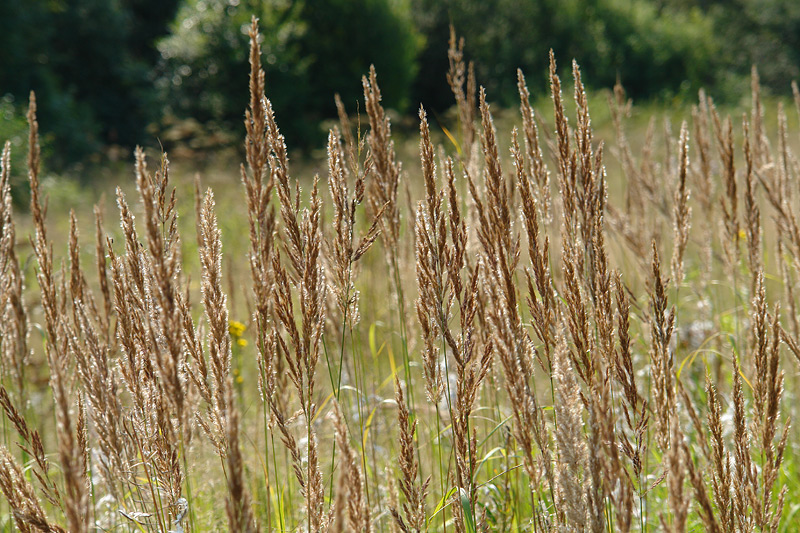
(113,73)
(91,63)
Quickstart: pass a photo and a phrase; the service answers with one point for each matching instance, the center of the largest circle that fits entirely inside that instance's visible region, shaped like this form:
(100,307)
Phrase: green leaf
(466,507)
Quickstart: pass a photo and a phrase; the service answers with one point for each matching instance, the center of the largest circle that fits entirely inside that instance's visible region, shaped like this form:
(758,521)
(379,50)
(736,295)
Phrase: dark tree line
(90,63)
(104,70)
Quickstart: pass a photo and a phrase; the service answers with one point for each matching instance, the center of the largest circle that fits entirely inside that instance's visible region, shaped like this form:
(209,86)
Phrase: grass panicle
(559,375)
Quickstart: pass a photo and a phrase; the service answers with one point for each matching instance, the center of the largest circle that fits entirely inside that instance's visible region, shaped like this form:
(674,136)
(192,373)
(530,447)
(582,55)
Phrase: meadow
(515,320)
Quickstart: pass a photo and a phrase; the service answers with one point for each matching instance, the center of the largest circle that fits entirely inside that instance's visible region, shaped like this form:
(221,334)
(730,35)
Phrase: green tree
(311,50)
(348,36)
(765,33)
(652,51)
(90,63)
(204,70)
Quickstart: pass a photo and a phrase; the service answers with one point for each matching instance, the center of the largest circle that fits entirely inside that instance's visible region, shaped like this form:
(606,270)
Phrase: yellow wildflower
(236,329)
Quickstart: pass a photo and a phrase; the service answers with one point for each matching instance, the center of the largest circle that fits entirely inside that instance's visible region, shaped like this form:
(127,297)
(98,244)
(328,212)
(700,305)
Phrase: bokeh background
(110,74)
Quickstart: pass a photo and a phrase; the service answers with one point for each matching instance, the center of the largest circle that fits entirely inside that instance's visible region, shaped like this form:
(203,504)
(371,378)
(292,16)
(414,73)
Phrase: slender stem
(91,488)
(307,408)
(442,483)
(406,360)
(156,500)
(5,443)
(278,493)
(336,393)
(182,451)
(266,466)
(362,439)
(403,335)
(290,500)
(354,351)
(338,387)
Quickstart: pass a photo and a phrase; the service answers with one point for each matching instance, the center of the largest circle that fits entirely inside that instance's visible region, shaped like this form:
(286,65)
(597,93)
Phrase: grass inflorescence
(561,334)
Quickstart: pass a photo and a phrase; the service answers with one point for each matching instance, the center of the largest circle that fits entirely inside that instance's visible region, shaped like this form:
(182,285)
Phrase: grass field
(514,320)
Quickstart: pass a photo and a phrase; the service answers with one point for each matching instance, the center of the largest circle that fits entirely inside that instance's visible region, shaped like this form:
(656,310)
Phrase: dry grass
(555,373)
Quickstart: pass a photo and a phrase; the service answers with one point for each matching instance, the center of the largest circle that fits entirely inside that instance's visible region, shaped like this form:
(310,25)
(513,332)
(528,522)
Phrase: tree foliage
(104,70)
(90,63)
(312,50)
(653,51)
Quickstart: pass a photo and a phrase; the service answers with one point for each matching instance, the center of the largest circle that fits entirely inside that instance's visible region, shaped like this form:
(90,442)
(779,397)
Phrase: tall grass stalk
(139,395)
